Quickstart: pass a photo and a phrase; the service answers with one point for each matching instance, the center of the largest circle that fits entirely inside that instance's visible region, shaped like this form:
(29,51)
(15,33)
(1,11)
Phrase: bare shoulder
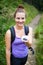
(8,33)
(8,36)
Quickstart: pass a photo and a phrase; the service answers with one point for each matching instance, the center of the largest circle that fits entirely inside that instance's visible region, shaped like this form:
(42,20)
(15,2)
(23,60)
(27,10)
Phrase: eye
(18,18)
(23,18)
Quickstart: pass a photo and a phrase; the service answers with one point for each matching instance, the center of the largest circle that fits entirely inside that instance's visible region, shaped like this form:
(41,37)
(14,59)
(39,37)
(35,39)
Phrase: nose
(20,20)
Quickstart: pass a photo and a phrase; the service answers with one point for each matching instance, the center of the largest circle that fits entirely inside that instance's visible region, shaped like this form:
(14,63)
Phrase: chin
(20,25)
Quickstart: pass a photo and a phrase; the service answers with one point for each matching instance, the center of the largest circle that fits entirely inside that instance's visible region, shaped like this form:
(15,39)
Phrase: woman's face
(20,18)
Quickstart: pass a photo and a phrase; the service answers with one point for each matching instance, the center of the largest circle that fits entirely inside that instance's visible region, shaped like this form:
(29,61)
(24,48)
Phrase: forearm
(8,57)
(29,45)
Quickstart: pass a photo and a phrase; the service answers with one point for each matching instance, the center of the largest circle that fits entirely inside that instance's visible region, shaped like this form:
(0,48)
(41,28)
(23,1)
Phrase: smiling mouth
(20,22)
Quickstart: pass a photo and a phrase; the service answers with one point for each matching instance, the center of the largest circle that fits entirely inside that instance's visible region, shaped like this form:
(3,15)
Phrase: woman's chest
(20,33)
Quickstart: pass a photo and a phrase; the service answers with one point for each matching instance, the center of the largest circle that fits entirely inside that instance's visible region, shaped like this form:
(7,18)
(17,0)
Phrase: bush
(37,3)
(39,44)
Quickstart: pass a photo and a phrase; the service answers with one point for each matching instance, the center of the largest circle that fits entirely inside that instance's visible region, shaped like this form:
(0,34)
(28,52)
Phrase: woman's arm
(7,42)
(30,37)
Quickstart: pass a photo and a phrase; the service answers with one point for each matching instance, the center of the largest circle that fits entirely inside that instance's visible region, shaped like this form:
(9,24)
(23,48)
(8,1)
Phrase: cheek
(16,20)
(24,20)
(20,21)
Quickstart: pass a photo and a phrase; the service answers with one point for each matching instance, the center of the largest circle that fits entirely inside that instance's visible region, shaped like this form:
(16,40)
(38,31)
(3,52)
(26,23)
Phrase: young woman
(19,48)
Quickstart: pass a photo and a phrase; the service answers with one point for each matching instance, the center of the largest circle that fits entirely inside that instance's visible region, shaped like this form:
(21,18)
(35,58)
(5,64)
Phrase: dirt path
(35,21)
(33,24)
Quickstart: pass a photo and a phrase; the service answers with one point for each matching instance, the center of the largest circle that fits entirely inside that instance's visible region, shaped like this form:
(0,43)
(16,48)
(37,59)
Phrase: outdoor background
(33,8)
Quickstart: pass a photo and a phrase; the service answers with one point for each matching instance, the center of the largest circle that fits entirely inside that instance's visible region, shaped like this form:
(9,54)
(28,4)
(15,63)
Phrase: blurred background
(33,8)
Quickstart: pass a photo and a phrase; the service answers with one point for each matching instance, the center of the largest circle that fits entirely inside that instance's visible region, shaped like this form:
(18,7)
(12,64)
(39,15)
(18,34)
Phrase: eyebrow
(19,17)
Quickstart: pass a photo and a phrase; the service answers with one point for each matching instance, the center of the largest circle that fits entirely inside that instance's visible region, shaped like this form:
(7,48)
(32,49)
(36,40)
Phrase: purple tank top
(19,49)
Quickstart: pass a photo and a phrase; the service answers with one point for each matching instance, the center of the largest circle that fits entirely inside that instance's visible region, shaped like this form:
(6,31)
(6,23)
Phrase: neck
(19,27)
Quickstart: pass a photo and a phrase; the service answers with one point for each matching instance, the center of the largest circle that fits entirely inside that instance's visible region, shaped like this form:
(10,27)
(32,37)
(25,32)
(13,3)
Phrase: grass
(39,44)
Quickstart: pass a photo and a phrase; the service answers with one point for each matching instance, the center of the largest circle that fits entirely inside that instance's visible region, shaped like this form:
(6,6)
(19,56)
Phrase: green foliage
(39,53)
(37,3)
(39,29)
(39,44)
